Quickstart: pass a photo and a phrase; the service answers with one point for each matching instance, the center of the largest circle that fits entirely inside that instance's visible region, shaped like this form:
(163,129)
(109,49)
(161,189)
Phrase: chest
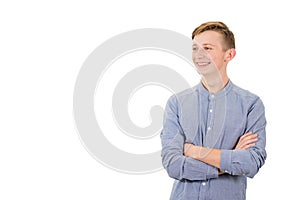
(216,123)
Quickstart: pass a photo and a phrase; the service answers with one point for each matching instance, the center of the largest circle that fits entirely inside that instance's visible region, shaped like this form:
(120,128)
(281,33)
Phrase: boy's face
(208,54)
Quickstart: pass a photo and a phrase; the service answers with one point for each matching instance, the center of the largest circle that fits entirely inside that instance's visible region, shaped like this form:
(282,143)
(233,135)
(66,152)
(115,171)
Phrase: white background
(42,47)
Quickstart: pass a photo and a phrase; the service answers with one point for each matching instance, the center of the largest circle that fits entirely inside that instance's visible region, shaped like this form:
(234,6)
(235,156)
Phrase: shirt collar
(221,93)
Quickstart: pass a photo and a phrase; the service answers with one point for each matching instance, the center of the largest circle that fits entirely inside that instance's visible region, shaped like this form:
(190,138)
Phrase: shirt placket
(204,185)
(210,116)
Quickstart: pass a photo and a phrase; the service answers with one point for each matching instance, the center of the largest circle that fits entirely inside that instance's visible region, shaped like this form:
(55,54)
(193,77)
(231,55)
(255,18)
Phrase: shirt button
(210,110)
(203,183)
(212,96)
(208,128)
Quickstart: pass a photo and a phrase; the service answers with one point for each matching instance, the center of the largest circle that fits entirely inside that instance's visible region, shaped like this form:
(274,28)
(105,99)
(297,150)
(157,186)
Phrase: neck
(216,83)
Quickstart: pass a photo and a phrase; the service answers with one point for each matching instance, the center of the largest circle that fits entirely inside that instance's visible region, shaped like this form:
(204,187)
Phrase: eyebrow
(195,44)
(208,44)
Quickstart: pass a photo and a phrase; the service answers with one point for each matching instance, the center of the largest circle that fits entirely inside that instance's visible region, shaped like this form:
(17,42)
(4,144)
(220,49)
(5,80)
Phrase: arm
(246,158)
(176,164)
(213,156)
(248,162)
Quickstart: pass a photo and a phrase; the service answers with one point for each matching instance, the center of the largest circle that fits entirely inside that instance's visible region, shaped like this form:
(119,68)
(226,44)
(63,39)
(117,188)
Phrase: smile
(203,64)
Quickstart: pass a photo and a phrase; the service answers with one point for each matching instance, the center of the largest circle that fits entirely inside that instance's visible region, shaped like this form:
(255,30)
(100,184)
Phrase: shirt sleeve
(248,162)
(172,137)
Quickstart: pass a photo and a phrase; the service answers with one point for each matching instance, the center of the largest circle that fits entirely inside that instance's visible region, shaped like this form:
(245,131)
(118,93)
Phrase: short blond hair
(220,27)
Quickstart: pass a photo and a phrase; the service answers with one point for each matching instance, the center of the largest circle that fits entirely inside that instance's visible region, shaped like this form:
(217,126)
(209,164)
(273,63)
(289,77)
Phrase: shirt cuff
(213,172)
(197,170)
(225,162)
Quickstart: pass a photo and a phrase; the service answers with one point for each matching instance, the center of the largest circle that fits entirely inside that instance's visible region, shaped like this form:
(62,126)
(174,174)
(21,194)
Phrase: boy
(213,134)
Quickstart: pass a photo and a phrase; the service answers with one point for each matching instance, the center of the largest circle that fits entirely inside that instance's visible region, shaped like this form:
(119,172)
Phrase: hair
(220,27)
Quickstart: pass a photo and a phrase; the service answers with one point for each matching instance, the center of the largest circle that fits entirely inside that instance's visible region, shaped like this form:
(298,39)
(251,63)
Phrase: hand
(246,141)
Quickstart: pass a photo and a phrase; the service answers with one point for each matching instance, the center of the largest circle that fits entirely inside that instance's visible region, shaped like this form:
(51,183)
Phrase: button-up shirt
(214,121)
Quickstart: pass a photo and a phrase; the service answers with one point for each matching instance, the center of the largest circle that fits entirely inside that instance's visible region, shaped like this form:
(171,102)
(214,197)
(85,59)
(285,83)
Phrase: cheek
(213,57)
(193,56)
(217,58)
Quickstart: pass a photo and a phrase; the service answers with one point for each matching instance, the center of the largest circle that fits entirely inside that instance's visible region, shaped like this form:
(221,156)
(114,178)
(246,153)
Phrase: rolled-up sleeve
(172,137)
(248,162)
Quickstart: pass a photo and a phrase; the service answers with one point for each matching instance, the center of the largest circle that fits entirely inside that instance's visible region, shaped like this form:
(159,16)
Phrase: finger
(248,141)
(249,145)
(252,140)
(246,135)
(249,133)
(245,142)
(244,147)
(249,137)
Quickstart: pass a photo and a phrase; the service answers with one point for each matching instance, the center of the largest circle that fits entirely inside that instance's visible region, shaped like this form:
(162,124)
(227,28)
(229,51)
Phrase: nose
(199,53)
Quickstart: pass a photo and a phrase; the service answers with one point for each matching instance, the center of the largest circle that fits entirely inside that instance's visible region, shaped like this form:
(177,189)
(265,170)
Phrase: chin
(202,70)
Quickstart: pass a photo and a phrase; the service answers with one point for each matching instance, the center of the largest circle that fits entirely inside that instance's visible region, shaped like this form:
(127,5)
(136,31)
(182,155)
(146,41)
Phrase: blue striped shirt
(213,121)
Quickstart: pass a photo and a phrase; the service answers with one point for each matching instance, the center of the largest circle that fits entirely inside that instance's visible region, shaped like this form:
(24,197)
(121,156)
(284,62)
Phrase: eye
(194,48)
(207,48)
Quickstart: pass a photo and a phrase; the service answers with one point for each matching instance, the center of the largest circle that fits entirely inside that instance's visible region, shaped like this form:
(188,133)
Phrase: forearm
(242,162)
(213,156)
(234,162)
(206,155)
(182,167)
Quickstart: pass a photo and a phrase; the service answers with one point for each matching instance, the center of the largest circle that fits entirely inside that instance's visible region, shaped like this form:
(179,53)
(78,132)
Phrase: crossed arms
(187,161)
(213,156)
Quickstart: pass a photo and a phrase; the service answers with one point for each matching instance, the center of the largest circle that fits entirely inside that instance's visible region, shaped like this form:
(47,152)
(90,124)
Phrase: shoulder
(245,96)
(184,95)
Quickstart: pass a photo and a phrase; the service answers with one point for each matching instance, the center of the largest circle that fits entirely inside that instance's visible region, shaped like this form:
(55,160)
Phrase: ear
(229,55)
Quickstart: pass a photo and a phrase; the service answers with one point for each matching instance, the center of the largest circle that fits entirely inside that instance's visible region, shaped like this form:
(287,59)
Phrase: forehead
(208,37)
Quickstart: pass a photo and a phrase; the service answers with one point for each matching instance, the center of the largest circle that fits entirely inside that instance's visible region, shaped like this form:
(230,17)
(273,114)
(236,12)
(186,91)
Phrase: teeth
(203,63)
